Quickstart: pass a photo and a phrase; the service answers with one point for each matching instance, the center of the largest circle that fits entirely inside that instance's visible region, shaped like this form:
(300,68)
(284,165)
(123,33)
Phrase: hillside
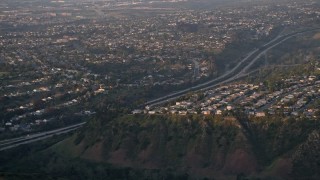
(173,147)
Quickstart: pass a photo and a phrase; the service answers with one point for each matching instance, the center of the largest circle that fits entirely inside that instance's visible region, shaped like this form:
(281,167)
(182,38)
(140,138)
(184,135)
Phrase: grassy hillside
(178,147)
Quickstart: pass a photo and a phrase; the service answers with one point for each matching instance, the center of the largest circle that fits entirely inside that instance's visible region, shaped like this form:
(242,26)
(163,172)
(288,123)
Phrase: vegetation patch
(316,36)
(3,74)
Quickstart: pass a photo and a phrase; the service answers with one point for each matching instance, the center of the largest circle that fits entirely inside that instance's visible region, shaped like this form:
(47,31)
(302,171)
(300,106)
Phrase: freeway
(240,70)
(14,142)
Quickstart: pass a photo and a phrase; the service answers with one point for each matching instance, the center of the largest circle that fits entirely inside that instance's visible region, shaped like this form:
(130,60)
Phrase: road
(196,69)
(14,142)
(239,71)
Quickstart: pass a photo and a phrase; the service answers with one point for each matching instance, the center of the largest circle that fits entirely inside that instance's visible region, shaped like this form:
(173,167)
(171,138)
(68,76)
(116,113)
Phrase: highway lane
(35,139)
(14,142)
(245,69)
(155,101)
(40,134)
(237,72)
